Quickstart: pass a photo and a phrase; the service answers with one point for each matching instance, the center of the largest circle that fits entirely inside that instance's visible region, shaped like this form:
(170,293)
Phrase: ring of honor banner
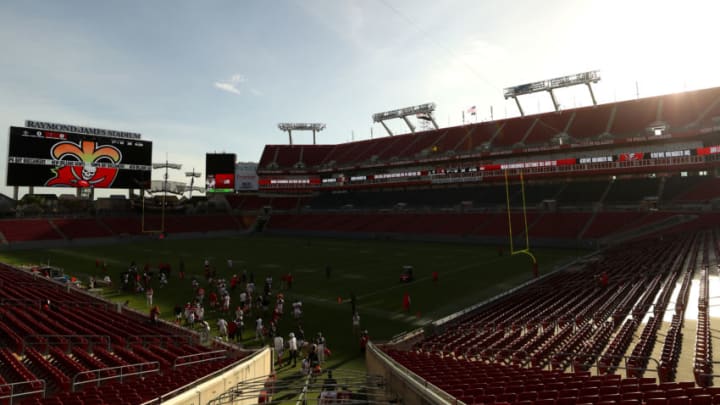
(64,159)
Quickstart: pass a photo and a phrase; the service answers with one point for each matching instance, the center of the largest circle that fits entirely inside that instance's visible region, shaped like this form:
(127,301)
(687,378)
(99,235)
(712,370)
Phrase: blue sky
(213,76)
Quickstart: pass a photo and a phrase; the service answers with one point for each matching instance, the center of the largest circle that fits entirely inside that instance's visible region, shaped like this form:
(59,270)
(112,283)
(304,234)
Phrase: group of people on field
(235,300)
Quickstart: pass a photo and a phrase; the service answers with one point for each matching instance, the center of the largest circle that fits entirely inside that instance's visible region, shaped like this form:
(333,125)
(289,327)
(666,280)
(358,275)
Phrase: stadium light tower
(298,126)
(586,78)
(422,111)
(193,175)
(166,165)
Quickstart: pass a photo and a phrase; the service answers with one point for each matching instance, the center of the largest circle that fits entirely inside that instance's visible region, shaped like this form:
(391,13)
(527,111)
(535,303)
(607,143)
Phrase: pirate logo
(88,164)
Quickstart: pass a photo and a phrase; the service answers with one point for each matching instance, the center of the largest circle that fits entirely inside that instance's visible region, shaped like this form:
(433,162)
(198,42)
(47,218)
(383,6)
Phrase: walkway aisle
(684,370)
(667,318)
(714,293)
(689,332)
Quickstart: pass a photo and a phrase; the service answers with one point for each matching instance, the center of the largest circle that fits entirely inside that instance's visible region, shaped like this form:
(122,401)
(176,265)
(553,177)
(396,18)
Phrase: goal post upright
(526,250)
(522,190)
(507,200)
(162,220)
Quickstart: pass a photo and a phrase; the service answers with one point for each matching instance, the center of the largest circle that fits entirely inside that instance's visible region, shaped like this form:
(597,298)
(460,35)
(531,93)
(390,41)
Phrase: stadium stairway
(588,224)
(497,132)
(529,131)
(536,220)
(466,139)
(611,121)
(57,229)
(348,387)
(605,193)
(661,188)
(707,110)
(647,229)
(104,226)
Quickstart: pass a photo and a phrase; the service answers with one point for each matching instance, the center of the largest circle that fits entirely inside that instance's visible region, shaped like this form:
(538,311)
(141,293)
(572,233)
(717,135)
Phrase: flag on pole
(472,110)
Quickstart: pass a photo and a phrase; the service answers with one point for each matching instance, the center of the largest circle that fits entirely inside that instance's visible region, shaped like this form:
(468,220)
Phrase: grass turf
(369,269)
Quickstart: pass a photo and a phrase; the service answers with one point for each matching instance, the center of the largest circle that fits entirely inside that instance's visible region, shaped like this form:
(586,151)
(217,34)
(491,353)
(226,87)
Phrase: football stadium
(561,255)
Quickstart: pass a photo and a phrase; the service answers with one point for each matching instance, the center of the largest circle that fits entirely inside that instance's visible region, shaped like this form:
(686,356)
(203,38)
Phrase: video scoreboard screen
(49,158)
(220,172)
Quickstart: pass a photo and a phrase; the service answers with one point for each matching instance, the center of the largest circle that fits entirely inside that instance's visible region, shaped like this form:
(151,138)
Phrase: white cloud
(229,87)
(233,85)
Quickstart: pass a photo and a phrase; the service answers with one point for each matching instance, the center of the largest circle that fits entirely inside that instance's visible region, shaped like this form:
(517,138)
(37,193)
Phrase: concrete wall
(258,365)
(402,382)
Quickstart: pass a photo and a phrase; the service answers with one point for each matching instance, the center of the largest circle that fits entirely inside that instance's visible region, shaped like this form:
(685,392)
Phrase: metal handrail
(214,374)
(20,301)
(68,337)
(143,370)
(433,393)
(492,354)
(600,356)
(144,339)
(302,398)
(14,395)
(177,364)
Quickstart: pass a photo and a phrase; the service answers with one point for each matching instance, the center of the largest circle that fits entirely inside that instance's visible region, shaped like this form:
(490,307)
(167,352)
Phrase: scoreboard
(220,172)
(52,158)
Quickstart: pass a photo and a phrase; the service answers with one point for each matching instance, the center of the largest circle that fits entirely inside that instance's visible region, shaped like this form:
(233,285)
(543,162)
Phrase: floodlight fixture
(192,175)
(300,126)
(166,165)
(423,110)
(586,78)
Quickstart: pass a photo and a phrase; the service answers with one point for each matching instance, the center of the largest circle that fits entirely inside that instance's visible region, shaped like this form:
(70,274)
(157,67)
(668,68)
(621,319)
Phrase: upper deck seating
(24,230)
(288,157)
(513,131)
(634,117)
(548,126)
(81,228)
(632,190)
(680,111)
(582,192)
(589,122)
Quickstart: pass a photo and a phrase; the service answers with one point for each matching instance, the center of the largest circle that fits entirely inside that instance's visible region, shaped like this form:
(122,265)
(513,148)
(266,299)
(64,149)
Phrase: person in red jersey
(213,299)
(155,314)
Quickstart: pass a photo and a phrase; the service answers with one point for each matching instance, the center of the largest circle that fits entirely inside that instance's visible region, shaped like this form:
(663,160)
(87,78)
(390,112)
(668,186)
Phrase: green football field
(369,269)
